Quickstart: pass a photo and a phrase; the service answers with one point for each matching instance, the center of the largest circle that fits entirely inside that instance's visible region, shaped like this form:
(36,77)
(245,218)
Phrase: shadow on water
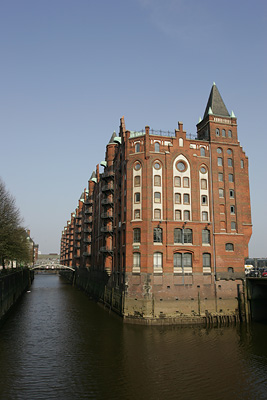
(58,344)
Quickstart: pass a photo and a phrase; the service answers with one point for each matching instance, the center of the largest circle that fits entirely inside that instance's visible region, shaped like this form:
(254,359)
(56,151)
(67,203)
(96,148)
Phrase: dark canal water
(57,344)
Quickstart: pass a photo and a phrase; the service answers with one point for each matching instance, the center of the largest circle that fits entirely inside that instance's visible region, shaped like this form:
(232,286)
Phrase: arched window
(137,235)
(204,200)
(188,236)
(157,213)
(157,235)
(177,181)
(182,263)
(231,270)
(178,215)
(137,147)
(177,262)
(157,197)
(229,247)
(229,133)
(157,147)
(157,262)
(186,182)
(217,132)
(205,236)
(177,235)
(223,133)
(202,151)
(186,198)
(206,259)
(177,198)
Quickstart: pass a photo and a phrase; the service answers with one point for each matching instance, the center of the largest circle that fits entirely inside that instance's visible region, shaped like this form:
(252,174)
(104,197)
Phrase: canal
(58,344)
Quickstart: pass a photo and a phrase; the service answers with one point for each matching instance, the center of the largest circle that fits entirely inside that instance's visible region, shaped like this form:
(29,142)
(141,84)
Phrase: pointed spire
(210,111)
(215,104)
(233,114)
(112,137)
(93,176)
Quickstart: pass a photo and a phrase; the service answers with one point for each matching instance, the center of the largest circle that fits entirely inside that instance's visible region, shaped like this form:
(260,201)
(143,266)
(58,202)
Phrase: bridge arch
(52,266)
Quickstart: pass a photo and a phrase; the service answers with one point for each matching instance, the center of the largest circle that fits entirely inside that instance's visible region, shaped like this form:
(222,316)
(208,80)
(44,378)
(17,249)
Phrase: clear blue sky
(71,68)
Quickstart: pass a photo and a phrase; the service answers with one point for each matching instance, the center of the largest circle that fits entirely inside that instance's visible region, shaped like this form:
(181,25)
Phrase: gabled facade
(170,221)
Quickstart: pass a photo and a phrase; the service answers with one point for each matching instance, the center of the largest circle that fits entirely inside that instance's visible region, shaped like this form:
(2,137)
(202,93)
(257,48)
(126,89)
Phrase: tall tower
(231,213)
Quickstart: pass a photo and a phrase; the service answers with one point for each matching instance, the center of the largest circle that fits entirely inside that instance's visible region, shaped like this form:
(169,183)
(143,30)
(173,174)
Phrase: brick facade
(166,225)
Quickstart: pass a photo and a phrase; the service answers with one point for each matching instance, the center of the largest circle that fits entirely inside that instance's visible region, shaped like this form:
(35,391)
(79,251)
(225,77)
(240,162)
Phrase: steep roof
(215,104)
(112,137)
(93,176)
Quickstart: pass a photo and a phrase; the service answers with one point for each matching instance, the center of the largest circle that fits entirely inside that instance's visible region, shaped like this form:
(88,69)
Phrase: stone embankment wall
(12,285)
(154,311)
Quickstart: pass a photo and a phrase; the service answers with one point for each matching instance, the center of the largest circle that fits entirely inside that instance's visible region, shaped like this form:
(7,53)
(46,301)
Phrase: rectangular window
(177,235)
(233,225)
(186,198)
(157,180)
(157,213)
(178,215)
(137,181)
(136,260)
(177,181)
(137,197)
(231,178)
(177,198)
(232,193)
(157,235)
(157,262)
(220,177)
(204,184)
(186,215)
(204,216)
(242,164)
(205,236)
(186,182)
(220,161)
(137,235)
(230,162)
(136,214)
(221,193)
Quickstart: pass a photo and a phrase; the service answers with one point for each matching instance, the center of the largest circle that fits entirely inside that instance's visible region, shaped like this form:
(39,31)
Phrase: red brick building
(163,232)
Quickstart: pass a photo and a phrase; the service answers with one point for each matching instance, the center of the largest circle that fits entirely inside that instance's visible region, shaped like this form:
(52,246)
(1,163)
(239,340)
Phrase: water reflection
(57,344)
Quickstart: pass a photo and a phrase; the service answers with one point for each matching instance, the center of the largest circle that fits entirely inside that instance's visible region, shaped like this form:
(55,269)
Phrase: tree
(13,237)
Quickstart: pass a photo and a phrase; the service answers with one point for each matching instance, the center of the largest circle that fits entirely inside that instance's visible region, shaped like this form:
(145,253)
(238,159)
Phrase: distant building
(163,232)
(33,248)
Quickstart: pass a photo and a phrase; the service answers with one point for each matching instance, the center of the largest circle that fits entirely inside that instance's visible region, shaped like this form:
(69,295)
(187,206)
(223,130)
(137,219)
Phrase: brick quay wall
(13,283)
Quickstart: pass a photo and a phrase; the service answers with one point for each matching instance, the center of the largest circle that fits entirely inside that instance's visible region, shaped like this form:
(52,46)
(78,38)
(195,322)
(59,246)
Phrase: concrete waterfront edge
(13,283)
